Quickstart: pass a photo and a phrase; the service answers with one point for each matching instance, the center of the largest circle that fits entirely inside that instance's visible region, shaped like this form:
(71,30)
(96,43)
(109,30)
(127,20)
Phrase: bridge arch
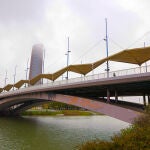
(32,99)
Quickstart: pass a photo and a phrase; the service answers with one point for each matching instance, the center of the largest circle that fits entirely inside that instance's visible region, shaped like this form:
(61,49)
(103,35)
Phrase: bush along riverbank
(135,137)
(58,113)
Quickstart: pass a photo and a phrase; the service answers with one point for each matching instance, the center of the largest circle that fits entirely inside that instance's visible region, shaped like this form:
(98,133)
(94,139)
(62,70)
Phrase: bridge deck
(136,84)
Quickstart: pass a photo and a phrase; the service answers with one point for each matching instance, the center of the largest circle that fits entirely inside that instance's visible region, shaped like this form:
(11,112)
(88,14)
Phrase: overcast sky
(24,23)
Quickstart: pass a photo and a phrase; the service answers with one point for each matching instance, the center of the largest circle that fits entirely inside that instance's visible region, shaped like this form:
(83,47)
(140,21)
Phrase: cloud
(21,11)
(24,23)
(141,11)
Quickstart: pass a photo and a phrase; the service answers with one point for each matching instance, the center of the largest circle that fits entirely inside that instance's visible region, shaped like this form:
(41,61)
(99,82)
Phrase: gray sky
(24,23)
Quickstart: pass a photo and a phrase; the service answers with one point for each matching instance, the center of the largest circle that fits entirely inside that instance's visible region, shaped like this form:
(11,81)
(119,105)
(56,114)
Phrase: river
(55,133)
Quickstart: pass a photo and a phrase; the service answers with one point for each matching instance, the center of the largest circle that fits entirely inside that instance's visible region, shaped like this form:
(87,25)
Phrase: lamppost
(1,83)
(14,76)
(68,51)
(43,65)
(145,62)
(5,80)
(107,63)
(81,64)
(26,71)
(106,39)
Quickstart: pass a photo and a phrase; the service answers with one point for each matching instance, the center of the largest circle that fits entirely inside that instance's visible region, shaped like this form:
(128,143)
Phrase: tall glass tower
(37,62)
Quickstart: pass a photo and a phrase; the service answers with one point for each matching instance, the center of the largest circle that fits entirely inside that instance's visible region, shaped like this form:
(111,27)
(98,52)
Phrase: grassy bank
(58,112)
(136,137)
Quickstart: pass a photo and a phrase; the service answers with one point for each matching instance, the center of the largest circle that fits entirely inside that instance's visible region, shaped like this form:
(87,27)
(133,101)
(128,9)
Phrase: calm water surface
(55,133)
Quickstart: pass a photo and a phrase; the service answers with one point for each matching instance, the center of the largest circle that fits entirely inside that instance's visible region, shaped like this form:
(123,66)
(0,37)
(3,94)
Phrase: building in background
(37,62)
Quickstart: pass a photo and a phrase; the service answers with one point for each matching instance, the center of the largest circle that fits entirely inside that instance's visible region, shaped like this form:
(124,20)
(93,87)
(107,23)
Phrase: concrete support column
(148,99)
(144,100)
(116,96)
(108,95)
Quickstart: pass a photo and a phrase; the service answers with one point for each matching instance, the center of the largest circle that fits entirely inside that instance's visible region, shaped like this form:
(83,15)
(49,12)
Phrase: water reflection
(55,133)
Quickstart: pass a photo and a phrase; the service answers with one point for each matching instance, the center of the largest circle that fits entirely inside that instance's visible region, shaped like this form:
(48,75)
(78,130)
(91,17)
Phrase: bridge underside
(16,104)
(15,108)
(122,89)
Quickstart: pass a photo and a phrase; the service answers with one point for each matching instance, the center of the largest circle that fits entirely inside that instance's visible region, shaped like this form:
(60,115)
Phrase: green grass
(40,113)
(58,112)
(76,113)
(135,137)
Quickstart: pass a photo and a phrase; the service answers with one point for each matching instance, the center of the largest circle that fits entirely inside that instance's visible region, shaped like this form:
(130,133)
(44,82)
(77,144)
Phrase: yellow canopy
(20,83)
(98,63)
(39,77)
(59,73)
(8,87)
(35,79)
(1,89)
(47,76)
(80,68)
(134,56)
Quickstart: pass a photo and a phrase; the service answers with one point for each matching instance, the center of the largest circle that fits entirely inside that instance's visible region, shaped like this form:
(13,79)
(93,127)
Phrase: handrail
(125,72)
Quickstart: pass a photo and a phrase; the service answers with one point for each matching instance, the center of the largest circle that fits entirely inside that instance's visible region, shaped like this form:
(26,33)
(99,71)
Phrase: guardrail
(81,79)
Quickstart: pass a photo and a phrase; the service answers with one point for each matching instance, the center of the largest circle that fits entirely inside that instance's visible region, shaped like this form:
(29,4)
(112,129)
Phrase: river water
(55,133)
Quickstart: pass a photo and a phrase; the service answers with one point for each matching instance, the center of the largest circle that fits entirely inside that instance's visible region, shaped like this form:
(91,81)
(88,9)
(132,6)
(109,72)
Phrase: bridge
(88,91)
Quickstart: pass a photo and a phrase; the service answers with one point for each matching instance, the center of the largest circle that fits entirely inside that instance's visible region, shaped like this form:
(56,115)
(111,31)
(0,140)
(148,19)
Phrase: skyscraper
(36,63)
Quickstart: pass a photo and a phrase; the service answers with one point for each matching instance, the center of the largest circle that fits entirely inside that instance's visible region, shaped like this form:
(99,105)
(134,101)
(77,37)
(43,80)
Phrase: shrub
(135,137)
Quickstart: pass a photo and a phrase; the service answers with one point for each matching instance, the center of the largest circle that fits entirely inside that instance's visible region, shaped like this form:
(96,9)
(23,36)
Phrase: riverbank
(58,113)
(137,136)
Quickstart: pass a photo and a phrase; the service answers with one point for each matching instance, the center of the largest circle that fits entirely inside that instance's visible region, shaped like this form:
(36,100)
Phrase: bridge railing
(125,72)
(137,70)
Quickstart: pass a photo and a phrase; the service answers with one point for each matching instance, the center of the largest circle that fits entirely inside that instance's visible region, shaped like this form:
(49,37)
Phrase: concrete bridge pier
(144,100)
(116,96)
(108,95)
(148,99)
